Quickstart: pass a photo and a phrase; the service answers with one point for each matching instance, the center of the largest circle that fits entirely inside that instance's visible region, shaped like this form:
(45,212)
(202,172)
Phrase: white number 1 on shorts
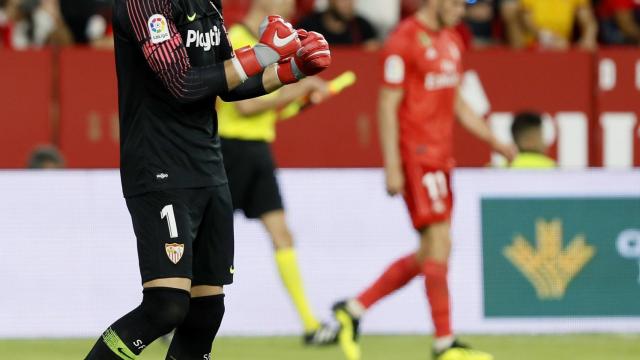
(167,212)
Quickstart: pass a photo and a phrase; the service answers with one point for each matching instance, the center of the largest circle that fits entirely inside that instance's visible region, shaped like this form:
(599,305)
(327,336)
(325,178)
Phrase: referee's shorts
(251,171)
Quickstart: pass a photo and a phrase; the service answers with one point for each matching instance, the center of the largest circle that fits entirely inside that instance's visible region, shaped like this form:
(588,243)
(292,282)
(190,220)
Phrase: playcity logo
(206,41)
(628,245)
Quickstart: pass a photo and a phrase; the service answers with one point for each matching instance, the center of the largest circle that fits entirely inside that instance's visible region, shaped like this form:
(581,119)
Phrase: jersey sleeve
(155,30)
(252,88)
(396,61)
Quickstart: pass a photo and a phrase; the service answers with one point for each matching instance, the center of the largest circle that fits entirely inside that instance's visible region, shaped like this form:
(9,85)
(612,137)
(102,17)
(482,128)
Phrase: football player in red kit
(419,102)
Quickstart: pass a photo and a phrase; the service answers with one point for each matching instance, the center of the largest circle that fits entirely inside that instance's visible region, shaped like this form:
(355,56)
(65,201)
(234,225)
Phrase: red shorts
(427,194)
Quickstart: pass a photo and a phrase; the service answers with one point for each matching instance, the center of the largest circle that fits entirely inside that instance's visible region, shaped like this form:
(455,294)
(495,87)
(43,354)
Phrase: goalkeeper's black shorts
(185,233)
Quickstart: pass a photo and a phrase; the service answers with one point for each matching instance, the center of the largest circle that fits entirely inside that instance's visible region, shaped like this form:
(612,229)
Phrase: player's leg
(435,247)
(395,277)
(403,270)
(348,313)
(288,268)
(212,269)
(264,202)
(163,308)
(286,259)
(194,337)
(164,250)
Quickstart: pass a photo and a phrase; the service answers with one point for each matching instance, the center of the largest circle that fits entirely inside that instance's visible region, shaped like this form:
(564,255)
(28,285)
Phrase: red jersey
(427,65)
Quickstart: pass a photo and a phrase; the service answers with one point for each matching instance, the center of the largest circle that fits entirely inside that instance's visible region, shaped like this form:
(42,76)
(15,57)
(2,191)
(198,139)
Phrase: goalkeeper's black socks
(194,337)
(161,310)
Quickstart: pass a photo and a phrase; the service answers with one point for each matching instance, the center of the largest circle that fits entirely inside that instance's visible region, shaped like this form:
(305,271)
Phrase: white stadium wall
(67,253)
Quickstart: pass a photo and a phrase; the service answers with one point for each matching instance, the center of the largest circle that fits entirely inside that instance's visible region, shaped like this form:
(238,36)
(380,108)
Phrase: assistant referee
(247,128)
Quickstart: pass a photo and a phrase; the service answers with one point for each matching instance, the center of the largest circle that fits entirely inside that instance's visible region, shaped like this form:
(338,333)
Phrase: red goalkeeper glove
(278,41)
(313,57)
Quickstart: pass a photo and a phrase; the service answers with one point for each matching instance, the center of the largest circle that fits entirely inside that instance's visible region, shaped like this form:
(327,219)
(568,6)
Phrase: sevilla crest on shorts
(174,252)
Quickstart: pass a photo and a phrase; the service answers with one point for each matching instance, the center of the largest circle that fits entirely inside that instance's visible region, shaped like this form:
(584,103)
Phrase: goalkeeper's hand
(313,57)
(278,41)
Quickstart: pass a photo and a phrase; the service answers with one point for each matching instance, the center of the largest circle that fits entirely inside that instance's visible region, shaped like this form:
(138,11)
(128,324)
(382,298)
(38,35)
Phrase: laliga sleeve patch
(394,70)
(158,29)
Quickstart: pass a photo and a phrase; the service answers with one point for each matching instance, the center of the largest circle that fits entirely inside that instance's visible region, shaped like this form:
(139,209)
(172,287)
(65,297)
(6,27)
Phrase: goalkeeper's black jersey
(169,59)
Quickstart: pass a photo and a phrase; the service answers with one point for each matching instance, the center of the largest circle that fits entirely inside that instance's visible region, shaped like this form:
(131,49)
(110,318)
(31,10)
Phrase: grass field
(574,347)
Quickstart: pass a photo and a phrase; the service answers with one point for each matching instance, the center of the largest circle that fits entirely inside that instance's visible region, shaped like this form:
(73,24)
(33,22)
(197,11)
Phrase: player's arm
(588,26)
(311,58)
(254,87)
(511,16)
(526,17)
(285,97)
(166,54)
(389,102)
(479,128)
(391,95)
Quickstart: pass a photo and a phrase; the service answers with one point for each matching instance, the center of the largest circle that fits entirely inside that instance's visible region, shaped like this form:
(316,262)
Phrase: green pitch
(583,347)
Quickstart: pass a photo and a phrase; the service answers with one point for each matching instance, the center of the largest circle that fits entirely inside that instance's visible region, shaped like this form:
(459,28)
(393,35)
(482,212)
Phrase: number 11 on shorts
(167,212)
(436,184)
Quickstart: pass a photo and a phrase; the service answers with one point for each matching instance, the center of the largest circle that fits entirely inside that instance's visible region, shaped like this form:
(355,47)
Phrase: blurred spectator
(549,24)
(341,25)
(32,23)
(384,15)
(8,8)
(511,18)
(46,157)
(527,134)
(236,10)
(480,19)
(620,21)
(89,21)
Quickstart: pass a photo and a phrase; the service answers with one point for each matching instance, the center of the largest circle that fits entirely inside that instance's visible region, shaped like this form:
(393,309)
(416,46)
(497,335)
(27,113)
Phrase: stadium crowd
(520,24)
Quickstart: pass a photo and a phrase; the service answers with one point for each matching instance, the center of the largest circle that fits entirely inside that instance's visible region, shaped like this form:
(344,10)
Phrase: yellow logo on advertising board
(549,267)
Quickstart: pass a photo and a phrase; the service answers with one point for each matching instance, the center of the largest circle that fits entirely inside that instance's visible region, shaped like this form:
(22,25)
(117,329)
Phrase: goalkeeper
(173,60)
(247,128)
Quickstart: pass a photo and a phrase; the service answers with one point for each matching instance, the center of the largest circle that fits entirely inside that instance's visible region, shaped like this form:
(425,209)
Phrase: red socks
(438,294)
(400,273)
(395,277)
